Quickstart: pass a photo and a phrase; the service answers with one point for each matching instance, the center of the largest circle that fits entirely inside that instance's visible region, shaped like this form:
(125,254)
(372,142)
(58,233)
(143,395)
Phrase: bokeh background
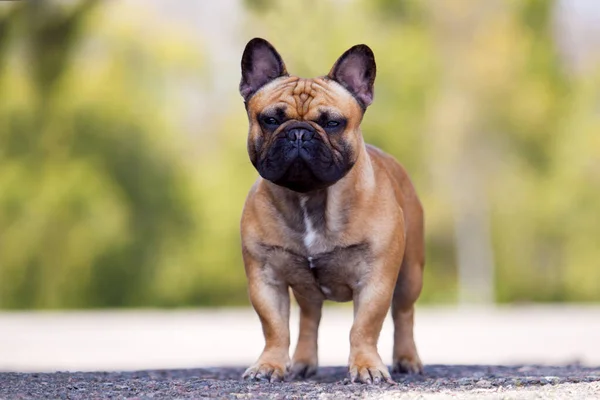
(123,167)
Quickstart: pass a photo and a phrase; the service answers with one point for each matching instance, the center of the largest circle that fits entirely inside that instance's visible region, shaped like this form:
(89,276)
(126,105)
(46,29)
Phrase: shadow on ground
(330,382)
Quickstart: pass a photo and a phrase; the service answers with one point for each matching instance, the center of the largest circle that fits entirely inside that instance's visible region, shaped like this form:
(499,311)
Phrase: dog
(330,217)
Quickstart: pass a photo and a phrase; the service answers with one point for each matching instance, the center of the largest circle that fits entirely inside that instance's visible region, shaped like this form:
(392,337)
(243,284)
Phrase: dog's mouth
(299,177)
(303,167)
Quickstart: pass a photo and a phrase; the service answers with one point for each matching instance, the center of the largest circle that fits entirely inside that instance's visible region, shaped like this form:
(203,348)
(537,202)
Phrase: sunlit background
(123,165)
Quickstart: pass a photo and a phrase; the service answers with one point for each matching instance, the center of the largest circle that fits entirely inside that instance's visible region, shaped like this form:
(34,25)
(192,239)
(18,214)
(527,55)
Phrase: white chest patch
(325,290)
(310,234)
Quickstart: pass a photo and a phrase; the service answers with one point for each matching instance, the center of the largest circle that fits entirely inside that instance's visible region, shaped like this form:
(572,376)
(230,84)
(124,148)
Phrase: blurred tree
(5,19)
(528,117)
(93,201)
(52,34)
(394,11)
(258,5)
(464,30)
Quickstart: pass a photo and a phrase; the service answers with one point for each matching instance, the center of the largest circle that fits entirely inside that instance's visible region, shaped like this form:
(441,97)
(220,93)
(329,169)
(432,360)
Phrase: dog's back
(406,194)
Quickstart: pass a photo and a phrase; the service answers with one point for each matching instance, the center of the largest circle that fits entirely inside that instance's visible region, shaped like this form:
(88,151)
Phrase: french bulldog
(330,217)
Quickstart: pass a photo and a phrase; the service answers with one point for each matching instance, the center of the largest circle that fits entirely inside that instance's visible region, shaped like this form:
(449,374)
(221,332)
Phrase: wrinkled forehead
(305,98)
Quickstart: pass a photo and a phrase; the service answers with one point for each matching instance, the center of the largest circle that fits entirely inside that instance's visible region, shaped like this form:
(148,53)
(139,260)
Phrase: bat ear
(261,63)
(355,70)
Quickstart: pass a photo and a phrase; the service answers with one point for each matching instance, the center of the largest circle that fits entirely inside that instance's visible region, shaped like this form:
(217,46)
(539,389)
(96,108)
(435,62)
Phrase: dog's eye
(270,121)
(332,124)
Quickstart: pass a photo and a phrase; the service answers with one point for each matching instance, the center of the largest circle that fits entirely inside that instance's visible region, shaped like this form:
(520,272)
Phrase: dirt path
(439,381)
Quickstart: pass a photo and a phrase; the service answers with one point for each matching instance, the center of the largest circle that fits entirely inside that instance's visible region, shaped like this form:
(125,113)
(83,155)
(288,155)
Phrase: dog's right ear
(260,65)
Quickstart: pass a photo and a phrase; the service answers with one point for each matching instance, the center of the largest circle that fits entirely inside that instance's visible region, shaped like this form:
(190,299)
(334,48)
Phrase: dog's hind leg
(408,287)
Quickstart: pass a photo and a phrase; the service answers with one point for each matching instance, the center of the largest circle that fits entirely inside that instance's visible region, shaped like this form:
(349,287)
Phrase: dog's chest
(332,275)
(319,265)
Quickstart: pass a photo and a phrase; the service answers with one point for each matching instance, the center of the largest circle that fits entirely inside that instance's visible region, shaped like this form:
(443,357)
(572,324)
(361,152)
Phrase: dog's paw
(369,370)
(265,371)
(407,365)
(302,369)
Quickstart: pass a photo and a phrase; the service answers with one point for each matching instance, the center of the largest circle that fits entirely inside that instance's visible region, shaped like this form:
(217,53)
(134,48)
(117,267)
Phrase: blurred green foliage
(94,201)
(103,204)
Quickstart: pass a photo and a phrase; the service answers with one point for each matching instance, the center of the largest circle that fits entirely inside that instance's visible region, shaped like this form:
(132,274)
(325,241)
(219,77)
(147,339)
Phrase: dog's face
(304,133)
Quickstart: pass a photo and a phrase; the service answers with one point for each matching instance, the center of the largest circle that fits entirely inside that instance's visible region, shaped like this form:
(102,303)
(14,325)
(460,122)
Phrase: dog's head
(304,133)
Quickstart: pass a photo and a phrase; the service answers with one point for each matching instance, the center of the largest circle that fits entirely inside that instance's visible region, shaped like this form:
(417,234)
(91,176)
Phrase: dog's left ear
(261,63)
(355,70)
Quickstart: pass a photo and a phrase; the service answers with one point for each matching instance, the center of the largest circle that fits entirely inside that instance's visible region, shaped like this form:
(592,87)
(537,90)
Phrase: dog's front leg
(271,300)
(371,304)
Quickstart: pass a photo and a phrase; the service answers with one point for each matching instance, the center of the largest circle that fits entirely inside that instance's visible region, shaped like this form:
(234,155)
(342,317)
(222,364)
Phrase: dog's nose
(300,134)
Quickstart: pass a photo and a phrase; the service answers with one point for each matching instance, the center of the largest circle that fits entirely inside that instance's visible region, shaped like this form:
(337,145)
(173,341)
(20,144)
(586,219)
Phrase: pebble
(483,383)
(550,379)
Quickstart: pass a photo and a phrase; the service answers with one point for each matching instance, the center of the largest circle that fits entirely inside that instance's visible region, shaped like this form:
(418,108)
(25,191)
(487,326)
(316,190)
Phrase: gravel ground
(439,381)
